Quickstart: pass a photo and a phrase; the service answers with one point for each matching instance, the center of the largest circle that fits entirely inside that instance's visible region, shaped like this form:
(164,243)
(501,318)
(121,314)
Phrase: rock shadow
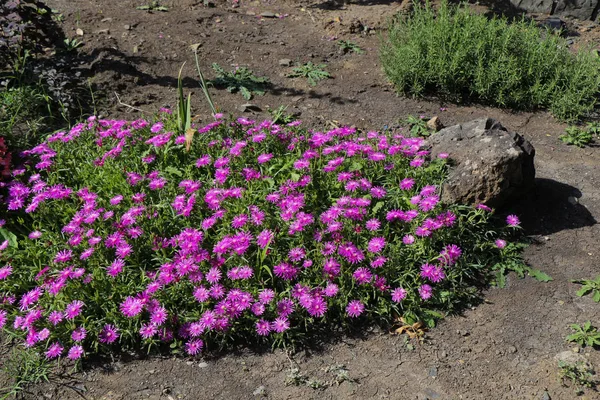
(551,207)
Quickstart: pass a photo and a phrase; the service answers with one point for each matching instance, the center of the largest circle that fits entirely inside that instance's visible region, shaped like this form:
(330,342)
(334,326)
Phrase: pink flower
(355,308)
(425,291)
(500,243)
(408,239)
(362,275)
(432,272)
(263,328)
(280,324)
(263,158)
(54,350)
(407,183)
(512,220)
(35,235)
(75,352)
(131,307)
(376,244)
(109,334)
(398,295)
(79,334)
(194,346)
(73,309)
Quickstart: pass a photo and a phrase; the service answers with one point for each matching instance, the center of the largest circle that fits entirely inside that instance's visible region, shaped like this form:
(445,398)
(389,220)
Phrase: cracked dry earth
(505,348)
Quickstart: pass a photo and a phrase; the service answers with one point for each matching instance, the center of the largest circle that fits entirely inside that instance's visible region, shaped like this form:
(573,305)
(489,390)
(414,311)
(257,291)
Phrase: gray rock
(489,164)
(268,14)
(285,62)
(581,9)
(259,391)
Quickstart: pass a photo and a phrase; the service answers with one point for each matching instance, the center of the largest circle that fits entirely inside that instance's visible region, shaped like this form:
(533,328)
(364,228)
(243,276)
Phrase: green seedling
(313,73)
(240,80)
(585,335)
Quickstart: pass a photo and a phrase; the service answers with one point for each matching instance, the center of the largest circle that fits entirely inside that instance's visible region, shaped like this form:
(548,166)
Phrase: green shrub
(462,56)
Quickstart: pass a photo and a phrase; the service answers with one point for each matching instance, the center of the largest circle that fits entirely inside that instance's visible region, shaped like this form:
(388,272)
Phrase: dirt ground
(505,348)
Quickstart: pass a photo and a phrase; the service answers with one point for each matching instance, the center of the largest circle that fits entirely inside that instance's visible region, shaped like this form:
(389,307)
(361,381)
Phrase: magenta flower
(362,276)
(512,220)
(73,309)
(63,256)
(5,272)
(53,351)
(194,346)
(266,296)
(432,272)
(280,324)
(355,308)
(263,328)
(75,352)
(376,244)
(407,183)
(35,235)
(131,307)
(263,158)
(425,291)
(500,243)
(79,334)
(398,295)
(109,334)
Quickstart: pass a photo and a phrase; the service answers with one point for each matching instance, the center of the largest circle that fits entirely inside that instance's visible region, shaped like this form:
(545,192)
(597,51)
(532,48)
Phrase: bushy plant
(25,26)
(462,56)
(260,232)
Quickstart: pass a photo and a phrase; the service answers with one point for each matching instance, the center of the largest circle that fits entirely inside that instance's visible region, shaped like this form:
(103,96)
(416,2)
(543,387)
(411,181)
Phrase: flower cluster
(258,231)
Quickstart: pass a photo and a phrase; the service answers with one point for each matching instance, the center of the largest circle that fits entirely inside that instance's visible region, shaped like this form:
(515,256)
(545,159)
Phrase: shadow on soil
(552,207)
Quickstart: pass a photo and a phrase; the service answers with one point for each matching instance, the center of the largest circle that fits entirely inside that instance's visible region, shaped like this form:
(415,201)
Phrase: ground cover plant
(312,72)
(127,237)
(240,80)
(456,54)
(589,286)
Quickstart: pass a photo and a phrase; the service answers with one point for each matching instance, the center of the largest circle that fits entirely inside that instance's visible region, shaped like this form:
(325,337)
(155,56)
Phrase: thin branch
(129,106)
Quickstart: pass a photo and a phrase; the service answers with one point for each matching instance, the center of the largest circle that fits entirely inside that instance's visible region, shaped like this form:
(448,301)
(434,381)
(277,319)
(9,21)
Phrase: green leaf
(11,237)
(500,279)
(355,166)
(377,207)
(173,171)
(583,291)
(539,275)
(246,94)
(596,296)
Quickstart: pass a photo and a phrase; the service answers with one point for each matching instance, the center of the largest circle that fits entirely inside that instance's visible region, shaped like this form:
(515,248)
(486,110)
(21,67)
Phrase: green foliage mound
(462,56)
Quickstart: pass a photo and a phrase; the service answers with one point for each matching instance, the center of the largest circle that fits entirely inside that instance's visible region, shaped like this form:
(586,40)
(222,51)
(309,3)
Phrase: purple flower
(425,291)
(73,309)
(398,295)
(75,352)
(63,256)
(432,272)
(194,346)
(263,328)
(408,239)
(512,220)
(280,324)
(54,350)
(376,244)
(355,308)
(131,307)
(109,334)
(35,235)
(407,183)
(500,243)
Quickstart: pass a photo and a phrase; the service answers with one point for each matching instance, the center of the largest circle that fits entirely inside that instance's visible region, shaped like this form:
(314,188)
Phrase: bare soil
(505,348)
